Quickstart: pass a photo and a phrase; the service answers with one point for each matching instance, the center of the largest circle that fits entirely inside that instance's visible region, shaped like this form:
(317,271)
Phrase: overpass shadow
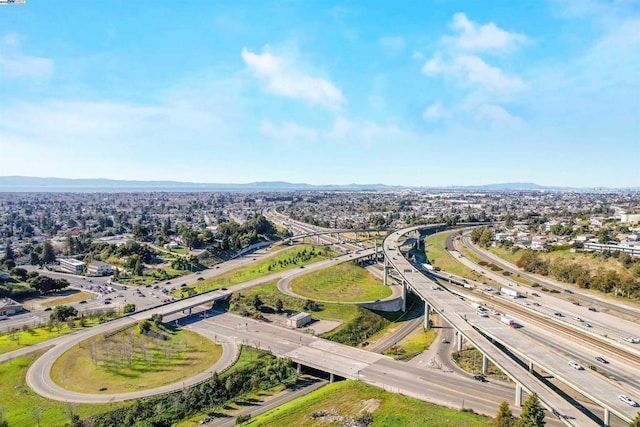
(544,379)
(198,316)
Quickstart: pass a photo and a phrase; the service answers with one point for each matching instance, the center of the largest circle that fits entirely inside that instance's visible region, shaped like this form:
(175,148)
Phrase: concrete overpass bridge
(482,331)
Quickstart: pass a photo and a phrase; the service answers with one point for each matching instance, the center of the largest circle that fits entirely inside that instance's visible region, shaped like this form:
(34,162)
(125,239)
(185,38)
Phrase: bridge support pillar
(386,272)
(331,379)
(404,296)
(606,419)
(518,395)
(190,311)
(531,367)
(299,369)
(485,364)
(427,320)
(459,342)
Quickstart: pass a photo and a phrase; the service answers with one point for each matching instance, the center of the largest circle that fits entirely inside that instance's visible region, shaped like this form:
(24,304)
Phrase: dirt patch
(370,406)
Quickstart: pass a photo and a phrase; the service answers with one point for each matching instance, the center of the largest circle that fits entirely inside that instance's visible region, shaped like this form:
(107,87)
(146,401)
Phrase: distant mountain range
(35,184)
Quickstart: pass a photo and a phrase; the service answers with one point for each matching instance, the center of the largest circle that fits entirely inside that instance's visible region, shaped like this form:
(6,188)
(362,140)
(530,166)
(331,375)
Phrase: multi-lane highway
(465,318)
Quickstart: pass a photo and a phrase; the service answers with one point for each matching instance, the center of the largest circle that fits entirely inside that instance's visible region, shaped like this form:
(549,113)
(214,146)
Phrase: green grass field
(294,257)
(471,361)
(129,361)
(344,282)
(18,339)
(439,257)
(412,345)
(349,399)
(269,294)
(22,406)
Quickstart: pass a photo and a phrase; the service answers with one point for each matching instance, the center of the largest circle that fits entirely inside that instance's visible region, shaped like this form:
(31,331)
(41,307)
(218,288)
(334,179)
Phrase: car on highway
(535,294)
(48,309)
(632,340)
(602,360)
(557,313)
(200,278)
(223,289)
(575,365)
(445,341)
(82,302)
(183,285)
(480,378)
(592,309)
(588,325)
(483,314)
(628,400)
(577,318)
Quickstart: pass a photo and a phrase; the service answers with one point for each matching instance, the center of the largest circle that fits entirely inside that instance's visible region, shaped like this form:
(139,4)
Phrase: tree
(279,306)
(129,308)
(20,273)
(504,418)
(532,414)
(48,254)
(47,284)
(144,326)
(8,250)
(636,421)
(257,302)
(508,221)
(62,312)
(156,318)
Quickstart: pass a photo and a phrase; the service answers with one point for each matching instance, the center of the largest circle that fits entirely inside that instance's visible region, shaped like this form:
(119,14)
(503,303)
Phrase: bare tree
(93,352)
(36,414)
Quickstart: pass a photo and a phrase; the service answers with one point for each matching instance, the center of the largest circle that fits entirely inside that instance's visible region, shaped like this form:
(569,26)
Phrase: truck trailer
(510,292)
(508,321)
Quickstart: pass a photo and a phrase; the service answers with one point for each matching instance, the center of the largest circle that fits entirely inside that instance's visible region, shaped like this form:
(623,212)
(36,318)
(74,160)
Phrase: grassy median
(131,361)
(344,282)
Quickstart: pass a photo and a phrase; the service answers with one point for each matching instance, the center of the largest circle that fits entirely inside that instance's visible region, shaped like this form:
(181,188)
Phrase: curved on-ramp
(283,285)
(39,376)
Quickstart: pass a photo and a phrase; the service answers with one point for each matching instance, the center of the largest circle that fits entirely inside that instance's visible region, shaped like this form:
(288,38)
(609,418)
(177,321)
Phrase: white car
(483,314)
(575,365)
(632,340)
(628,400)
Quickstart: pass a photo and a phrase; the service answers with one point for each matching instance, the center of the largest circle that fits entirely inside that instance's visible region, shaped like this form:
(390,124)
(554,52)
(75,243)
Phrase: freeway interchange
(427,384)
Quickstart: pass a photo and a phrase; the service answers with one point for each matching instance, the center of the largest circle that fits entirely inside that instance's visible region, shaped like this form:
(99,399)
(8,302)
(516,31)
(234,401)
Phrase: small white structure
(9,306)
(71,265)
(298,320)
(99,268)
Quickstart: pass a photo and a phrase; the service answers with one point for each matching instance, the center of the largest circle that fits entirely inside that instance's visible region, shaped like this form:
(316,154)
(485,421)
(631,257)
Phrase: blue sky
(408,92)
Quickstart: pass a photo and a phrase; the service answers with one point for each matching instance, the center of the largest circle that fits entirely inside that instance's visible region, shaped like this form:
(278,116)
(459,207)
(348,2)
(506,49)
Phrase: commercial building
(99,268)
(71,265)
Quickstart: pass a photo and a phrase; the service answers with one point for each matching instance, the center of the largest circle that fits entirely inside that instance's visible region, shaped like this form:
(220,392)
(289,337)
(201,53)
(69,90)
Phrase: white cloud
(482,38)
(476,71)
(280,76)
(15,64)
(289,132)
(435,112)
(392,45)
(496,115)
(417,55)
(435,66)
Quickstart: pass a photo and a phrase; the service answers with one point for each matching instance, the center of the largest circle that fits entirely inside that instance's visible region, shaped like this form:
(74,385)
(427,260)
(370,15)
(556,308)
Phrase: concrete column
(530,366)
(190,311)
(485,364)
(404,296)
(427,320)
(331,377)
(459,342)
(518,395)
(386,271)
(299,369)
(606,420)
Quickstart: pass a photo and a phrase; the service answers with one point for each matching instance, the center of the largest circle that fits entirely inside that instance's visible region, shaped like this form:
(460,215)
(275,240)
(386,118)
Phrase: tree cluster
(481,236)
(265,373)
(625,284)
(532,414)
